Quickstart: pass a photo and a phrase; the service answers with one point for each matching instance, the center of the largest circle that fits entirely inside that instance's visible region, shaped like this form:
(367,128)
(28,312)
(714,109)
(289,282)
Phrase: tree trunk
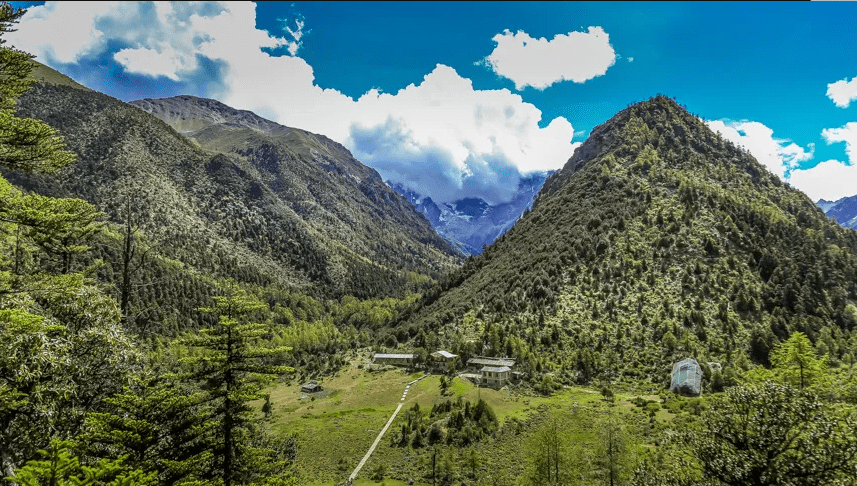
(228,422)
(127,254)
(7,467)
(433,464)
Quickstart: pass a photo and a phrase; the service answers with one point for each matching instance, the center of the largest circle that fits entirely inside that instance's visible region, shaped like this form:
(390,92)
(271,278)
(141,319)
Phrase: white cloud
(779,156)
(150,38)
(842,92)
(63,31)
(440,137)
(470,142)
(296,34)
(830,180)
(576,56)
(847,134)
(152,62)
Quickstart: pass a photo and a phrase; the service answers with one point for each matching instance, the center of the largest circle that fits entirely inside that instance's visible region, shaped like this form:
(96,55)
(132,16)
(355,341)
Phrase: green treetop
(25,144)
(797,362)
(232,363)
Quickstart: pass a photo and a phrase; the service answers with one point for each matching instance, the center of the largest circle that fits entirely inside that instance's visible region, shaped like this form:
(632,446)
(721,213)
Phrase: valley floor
(335,427)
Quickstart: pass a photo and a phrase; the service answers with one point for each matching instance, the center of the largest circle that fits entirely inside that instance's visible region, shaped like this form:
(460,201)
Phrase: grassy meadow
(336,427)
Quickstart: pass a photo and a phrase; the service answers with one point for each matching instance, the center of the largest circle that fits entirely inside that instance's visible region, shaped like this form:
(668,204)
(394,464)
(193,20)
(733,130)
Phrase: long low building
(478,362)
(394,359)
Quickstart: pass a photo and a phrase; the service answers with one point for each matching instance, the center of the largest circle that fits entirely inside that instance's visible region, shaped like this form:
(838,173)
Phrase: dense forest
(305,217)
(658,240)
(155,288)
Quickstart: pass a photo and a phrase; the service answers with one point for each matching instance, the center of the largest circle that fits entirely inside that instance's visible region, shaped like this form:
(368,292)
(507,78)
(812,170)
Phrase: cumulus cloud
(842,92)
(539,63)
(780,156)
(440,137)
(469,142)
(148,38)
(847,134)
(830,180)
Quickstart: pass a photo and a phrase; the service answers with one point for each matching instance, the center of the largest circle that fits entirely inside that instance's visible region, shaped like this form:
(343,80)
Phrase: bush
(378,473)
(607,393)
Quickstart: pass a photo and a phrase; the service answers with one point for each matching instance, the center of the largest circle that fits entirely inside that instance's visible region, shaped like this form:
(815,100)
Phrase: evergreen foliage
(64,350)
(231,367)
(25,144)
(775,434)
(279,207)
(59,467)
(159,426)
(659,240)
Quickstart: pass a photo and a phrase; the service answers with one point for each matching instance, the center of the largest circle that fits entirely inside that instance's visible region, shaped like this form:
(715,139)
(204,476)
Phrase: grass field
(336,427)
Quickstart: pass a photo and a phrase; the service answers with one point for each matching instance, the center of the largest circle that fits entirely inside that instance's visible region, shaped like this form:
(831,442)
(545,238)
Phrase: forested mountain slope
(294,212)
(317,178)
(657,240)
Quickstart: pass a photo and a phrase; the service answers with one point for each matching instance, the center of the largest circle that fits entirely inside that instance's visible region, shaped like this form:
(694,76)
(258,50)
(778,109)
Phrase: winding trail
(383,431)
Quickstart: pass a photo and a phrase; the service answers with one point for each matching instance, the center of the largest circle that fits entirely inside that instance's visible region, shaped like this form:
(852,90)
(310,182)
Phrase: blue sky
(462,99)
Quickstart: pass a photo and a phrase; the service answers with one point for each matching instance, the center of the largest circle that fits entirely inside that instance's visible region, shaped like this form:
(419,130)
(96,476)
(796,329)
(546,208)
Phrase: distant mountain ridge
(471,223)
(189,114)
(844,210)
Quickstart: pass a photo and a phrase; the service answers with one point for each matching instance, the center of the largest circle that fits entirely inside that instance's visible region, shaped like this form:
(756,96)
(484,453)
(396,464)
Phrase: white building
(442,360)
(495,376)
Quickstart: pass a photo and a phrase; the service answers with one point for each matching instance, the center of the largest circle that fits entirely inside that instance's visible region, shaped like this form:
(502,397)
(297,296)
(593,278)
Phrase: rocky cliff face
(471,224)
(843,211)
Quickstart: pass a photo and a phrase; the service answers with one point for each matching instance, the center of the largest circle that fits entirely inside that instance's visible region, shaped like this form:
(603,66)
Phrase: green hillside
(658,240)
(203,215)
(45,75)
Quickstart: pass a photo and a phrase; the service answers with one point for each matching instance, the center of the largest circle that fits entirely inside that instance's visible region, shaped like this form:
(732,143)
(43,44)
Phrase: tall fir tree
(233,362)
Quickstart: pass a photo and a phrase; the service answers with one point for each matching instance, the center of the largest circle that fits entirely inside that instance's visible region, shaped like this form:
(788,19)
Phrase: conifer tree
(62,349)
(159,426)
(59,466)
(233,361)
(796,361)
(62,227)
(25,144)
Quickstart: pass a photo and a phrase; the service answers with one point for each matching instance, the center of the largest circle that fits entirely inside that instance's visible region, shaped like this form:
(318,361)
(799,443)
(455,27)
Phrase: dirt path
(383,431)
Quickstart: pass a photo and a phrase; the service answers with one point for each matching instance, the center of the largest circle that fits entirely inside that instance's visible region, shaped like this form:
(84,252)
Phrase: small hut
(311,387)
(687,378)
(442,360)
